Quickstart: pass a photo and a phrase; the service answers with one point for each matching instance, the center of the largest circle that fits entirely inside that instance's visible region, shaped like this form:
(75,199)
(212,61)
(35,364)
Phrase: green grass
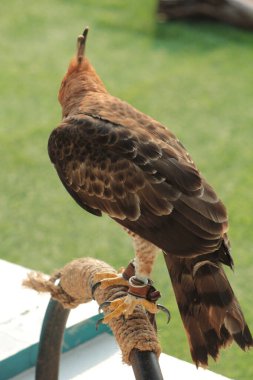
(195,78)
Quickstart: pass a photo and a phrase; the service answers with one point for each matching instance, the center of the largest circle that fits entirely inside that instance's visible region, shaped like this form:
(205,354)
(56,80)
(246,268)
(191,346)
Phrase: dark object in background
(235,12)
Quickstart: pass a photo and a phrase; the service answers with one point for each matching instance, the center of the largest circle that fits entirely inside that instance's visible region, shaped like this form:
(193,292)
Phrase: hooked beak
(81,41)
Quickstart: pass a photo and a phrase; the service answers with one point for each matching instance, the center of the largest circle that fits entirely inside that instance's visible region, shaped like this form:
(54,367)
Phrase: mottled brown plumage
(114,159)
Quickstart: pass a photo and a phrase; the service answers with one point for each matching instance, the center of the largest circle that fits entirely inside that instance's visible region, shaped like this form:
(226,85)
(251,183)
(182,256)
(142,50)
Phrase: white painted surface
(100,358)
(22,311)
(21,316)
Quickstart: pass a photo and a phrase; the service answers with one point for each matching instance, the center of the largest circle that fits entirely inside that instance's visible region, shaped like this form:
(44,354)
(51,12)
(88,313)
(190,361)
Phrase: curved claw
(165,310)
(94,287)
(104,304)
(98,323)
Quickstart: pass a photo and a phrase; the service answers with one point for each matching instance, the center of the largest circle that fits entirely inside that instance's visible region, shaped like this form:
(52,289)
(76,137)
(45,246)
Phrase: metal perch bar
(48,360)
(135,335)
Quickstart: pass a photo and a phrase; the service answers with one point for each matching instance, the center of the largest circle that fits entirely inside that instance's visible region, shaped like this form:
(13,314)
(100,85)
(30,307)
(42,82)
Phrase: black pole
(48,360)
(144,363)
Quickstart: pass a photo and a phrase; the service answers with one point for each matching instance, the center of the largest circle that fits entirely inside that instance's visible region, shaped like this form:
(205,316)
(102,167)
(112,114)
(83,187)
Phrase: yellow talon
(125,306)
(100,276)
(107,279)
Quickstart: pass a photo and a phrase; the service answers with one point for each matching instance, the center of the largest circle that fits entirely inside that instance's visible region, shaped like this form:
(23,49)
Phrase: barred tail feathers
(211,314)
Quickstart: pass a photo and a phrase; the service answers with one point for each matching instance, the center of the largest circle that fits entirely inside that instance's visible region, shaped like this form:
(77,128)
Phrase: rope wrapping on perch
(73,285)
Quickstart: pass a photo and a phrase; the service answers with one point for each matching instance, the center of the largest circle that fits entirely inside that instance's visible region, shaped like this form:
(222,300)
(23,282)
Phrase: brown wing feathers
(108,162)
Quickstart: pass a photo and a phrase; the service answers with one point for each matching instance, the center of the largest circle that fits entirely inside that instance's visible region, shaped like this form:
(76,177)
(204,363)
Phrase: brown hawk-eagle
(114,159)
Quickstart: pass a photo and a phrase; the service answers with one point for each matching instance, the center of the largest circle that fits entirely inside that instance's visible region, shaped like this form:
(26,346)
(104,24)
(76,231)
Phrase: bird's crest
(81,42)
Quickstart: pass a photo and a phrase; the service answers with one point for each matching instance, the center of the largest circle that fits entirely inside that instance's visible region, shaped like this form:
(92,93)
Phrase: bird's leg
(140,292)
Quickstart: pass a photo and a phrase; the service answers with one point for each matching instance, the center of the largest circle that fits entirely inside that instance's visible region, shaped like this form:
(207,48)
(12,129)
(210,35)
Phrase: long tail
(210,312)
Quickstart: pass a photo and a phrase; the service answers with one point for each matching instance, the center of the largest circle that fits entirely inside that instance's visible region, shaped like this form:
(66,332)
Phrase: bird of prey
(113,159)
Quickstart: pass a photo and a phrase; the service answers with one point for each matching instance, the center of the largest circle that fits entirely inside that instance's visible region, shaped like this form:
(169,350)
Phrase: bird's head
(80,77)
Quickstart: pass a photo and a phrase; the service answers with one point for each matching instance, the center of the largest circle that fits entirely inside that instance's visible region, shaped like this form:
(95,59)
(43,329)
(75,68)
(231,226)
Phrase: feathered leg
(145,255)
(140,292)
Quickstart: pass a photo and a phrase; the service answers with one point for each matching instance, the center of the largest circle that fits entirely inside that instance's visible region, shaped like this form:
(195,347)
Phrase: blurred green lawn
(195,78)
